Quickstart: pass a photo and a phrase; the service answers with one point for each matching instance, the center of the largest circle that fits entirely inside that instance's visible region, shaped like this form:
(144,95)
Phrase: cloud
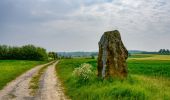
(69,25)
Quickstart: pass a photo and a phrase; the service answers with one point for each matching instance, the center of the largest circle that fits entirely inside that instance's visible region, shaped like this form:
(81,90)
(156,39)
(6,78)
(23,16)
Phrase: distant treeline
(147,52)
(27,52)
(76,54)
(164,51)
(161,52)
(93,54)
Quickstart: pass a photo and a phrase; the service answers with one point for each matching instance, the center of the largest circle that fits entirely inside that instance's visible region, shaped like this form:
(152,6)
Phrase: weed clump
(83,73)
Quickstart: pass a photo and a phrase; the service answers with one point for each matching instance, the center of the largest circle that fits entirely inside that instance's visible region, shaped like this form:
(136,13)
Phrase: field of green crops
(148,79)
(10,69)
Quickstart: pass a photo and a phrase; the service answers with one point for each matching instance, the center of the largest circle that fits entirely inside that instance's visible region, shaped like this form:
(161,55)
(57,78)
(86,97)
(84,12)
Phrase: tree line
(164,51)
(27,52)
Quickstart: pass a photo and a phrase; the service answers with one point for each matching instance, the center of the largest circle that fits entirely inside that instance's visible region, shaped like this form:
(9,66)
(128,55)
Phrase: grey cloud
(64,25)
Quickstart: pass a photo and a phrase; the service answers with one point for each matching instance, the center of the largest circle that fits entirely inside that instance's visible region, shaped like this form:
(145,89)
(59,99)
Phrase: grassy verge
(141,83)
(34,83)
(10,69)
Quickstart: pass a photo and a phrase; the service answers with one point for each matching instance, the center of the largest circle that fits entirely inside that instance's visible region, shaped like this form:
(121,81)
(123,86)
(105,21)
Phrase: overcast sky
(77,25)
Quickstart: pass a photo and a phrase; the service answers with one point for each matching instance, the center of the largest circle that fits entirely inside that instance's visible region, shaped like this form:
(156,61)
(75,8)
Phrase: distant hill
(136,51)
(77,54)
(88,54)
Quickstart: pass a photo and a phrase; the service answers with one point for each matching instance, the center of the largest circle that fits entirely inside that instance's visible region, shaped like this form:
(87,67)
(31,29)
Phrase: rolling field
(10,69)
(148,79)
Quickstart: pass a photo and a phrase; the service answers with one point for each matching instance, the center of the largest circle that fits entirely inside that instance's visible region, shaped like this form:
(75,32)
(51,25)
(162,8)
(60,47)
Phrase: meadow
(148,79)
(10,69)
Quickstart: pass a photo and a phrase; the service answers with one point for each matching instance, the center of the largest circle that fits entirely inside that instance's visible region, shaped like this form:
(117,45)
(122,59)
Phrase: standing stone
(112,56)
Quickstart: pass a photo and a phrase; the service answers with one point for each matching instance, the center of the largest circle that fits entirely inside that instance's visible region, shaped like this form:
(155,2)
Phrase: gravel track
(50,88)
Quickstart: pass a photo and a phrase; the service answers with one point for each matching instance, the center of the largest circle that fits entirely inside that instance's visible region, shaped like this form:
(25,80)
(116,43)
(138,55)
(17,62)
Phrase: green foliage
(92,57)
(52,55)
(27,52)
(138,85)
(10,69)
(164,52)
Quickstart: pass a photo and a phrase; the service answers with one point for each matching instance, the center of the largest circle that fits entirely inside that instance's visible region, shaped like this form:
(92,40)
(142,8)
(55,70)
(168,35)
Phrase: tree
(92,57)
(52,55)
(164,51)
(160,51)
(3,51)
(14,53)
(167,51)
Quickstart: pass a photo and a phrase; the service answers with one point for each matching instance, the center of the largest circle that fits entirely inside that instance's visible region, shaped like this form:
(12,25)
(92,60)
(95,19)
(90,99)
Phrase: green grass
(10,69)
(141,55)
(141,83)
(157,68)
(149,57)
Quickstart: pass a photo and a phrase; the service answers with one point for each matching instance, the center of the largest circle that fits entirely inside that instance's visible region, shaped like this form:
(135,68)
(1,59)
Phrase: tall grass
(156,68)
(138,86)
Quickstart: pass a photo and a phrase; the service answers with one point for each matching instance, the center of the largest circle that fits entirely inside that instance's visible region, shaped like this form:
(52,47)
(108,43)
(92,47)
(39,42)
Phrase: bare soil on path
(50,88)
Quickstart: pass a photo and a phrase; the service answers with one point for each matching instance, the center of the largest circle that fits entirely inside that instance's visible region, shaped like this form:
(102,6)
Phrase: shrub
(84,72)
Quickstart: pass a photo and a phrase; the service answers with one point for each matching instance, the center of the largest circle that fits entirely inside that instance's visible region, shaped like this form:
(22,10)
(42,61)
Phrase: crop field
(148,79)
(10,69)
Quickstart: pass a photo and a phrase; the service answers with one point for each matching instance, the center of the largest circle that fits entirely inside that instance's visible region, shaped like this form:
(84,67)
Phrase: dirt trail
(49,86)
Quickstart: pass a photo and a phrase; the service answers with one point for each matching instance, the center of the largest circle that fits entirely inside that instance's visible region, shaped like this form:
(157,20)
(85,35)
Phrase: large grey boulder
(112,56)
